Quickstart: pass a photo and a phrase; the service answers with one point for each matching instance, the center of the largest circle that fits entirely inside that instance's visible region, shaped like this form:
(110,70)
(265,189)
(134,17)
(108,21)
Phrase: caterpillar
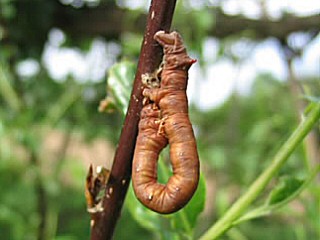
(167,121)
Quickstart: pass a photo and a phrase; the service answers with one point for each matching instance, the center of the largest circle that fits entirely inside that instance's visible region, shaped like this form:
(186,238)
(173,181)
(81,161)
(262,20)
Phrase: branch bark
(103,223)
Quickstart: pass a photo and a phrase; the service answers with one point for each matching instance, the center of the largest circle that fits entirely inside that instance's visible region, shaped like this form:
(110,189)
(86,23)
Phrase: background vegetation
(50,127)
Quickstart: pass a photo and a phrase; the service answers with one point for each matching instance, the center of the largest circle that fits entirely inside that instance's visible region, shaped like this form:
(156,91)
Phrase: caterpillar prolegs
(166,121)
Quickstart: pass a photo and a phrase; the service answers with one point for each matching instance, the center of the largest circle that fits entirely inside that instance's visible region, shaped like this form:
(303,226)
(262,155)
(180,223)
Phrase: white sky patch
(245,78)
(220,78)
(267,58)
(274,8)
(195,76)
(298,7)
(81,3)
(309,63)
(242,48)
(100,58)
(218,86)
(56,37)
(134,4)
(231,7)
(298,40)
(211,46)
(28,68)
(214,88)
(63,62)
(249,8)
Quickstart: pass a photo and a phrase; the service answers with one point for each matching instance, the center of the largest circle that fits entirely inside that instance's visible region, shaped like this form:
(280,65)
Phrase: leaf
(186,218)
(315,99)
(65,237)
(183,221)
(287,190)
(197,203)
(146,218)
(131,43)
(288,186)
(119,83)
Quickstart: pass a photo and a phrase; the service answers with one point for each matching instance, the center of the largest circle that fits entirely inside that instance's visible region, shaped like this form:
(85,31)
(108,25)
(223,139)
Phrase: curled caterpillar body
(172,102)
(148,147)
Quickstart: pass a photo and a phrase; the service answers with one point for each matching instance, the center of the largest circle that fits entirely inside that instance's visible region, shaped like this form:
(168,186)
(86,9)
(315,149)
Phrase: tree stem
(103,223)
(7,91)
(255,189)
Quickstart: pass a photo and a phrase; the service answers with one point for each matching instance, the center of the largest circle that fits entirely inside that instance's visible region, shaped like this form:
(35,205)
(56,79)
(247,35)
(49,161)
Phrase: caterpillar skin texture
(171,99)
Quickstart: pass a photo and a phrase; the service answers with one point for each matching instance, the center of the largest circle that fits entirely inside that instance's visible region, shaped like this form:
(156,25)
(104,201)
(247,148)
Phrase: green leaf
(7,92)
(315,99)
(288,186)
(119,83)
(131,43)
(186,218)
(197,203)
(182,222)
(65,238)
(287,190)
(146,218)
(57,110)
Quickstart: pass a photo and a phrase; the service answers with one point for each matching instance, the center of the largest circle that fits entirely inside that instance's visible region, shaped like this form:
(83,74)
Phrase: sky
(223,77)
(209,87)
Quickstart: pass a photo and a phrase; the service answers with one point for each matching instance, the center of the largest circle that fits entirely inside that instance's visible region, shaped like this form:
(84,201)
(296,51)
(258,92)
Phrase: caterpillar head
(175,53)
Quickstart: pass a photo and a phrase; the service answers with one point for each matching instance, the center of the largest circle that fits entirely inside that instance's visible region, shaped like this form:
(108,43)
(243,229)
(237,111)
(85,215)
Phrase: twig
(41,195)
(256,188)
(7,91)
(103,223)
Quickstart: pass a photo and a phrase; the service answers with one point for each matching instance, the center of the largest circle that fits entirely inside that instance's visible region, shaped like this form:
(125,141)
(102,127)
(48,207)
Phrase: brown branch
(103,223)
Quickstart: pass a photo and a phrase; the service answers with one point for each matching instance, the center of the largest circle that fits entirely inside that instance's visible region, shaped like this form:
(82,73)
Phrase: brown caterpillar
(172,111)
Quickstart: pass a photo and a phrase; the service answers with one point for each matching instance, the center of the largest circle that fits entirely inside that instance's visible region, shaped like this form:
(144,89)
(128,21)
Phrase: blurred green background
(258,65)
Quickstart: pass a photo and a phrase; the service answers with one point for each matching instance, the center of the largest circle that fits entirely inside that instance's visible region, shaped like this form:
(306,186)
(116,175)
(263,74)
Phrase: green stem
(183,216)
(267,209)
(255,189)
(7,91)
(57,110)
(235,234)
(163,168)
